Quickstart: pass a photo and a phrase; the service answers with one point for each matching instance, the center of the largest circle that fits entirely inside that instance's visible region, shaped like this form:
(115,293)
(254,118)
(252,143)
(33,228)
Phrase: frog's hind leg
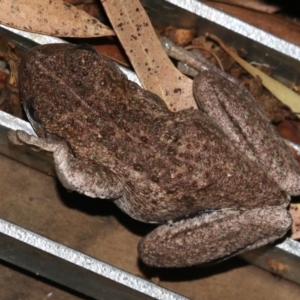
(213,236)
(234,110)
(74,174)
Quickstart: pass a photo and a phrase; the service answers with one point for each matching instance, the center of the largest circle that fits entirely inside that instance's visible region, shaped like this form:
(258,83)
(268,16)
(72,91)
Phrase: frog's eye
(30,111)
(33,117)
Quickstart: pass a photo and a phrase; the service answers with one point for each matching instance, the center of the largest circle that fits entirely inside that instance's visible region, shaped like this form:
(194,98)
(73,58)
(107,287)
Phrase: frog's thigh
(213,236)
(74,174)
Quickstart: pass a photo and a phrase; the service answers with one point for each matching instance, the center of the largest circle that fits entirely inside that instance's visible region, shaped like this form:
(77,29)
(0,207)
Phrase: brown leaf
(10,100)
(153,67)
(54,17)
(295,213)
(290,130)
(111,48)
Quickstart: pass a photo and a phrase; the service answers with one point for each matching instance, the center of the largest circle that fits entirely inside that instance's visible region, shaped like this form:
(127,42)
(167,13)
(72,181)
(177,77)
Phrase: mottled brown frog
(112,139)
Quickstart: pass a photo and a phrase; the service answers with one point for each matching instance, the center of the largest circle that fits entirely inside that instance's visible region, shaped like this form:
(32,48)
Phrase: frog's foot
(213,236)
(75,175)
(21,137)
(234,110)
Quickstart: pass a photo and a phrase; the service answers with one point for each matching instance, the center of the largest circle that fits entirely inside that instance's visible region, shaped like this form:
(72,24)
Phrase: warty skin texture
(112,139)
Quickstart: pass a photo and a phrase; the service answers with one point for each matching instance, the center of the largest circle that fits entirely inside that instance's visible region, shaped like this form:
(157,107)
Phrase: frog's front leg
(75,175)
(212,236)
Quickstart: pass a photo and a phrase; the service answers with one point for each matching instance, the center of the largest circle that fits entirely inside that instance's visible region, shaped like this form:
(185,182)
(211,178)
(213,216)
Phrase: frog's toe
(12,136)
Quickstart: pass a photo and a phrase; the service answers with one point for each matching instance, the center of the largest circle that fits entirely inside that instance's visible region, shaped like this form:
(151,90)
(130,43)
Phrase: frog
(212,192)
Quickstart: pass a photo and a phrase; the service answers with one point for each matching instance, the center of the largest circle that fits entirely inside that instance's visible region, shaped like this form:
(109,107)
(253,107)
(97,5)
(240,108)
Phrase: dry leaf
(179,36)
(295,213)
(112,49)
(152,65)
(279,90)
(11,102)
(54,17)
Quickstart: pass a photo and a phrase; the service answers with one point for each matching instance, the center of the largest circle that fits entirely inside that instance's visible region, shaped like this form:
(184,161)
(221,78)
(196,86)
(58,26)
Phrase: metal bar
(73,269)
(238,26)
(282,260)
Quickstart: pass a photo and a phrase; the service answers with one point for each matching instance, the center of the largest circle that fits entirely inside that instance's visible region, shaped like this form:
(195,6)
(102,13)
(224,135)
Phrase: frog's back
(167,162)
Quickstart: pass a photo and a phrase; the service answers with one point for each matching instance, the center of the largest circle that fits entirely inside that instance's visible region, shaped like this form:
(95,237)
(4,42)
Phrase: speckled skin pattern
(112,139)
(245,124)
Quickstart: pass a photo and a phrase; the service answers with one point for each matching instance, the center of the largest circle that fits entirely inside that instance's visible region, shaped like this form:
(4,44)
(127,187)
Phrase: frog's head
(42,71)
